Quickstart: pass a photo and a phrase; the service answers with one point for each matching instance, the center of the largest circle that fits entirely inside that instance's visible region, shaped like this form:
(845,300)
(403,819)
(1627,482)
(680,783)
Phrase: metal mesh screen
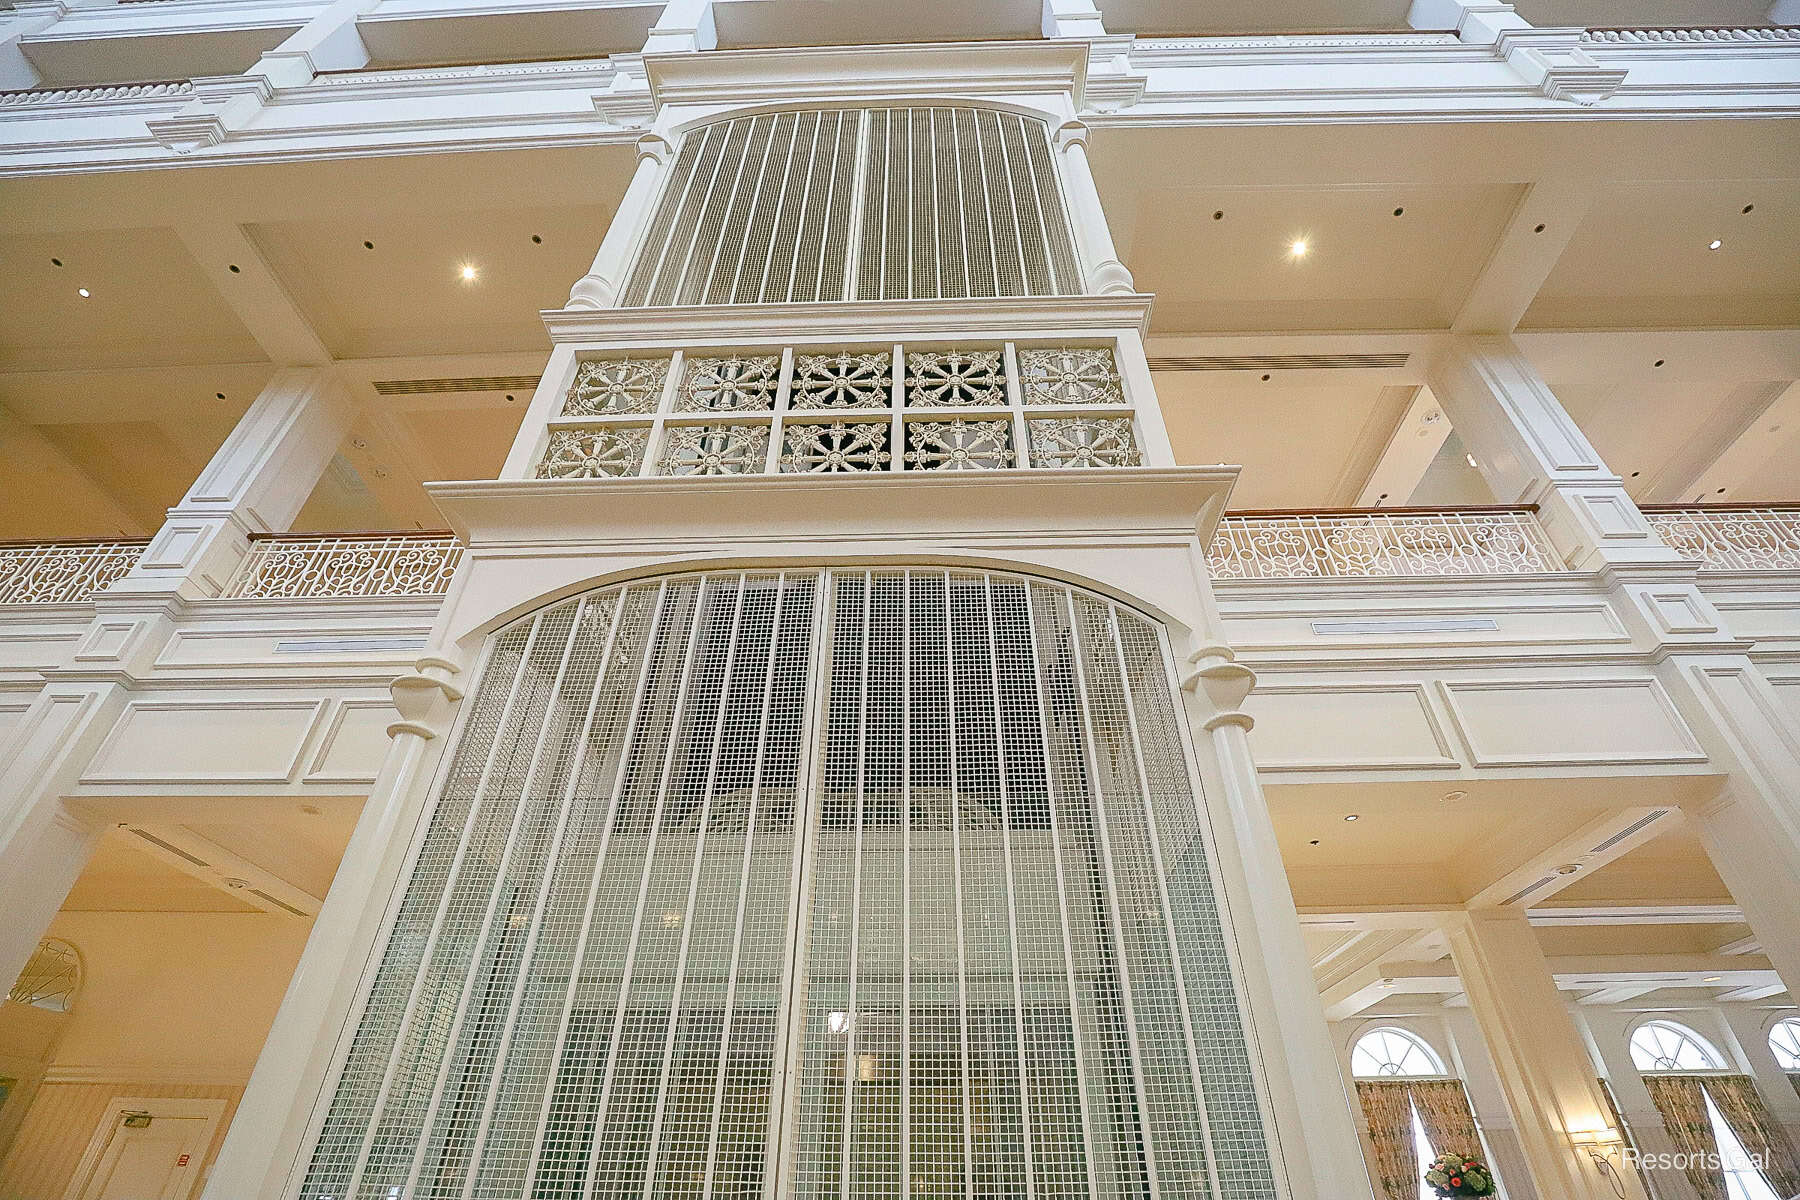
(864,204)
(821,883)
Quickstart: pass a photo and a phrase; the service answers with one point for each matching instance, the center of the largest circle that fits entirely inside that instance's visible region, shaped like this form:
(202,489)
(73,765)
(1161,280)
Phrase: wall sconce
(1602,1146)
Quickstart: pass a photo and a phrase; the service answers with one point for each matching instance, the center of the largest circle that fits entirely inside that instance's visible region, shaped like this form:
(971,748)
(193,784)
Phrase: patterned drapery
(1765,1140)
(1387,1108)
(1445,1113)
(1681,1099)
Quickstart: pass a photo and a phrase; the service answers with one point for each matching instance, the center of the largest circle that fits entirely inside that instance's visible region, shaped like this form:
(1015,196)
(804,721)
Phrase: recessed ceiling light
(1472,461)
(1713,979)
(1399,212)
(537,239)
(56,262)
(235,270)
(1387,984)
(219,395)
(1749,207)
(1659,362)
(1539,229)
(1218,214)
(1453,797)
(1714,244)
(368,245)
(1352,816)
(83,293)
(1298,248)
(468,272)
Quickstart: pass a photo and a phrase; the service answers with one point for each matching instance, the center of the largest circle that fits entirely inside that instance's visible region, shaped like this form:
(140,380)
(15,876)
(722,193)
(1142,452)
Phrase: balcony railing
(63,572)
(1733,537)
(347,566)
(1365,543)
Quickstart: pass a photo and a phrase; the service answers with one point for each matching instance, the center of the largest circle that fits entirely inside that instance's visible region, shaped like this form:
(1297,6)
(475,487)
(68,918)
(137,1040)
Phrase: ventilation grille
(1278,362)
(1529,888)
(953,202)
(177,851)
(472,383)
(1634,828)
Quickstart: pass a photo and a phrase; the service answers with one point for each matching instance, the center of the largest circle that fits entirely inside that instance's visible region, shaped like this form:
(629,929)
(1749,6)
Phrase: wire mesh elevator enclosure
(858,204)
(819,883)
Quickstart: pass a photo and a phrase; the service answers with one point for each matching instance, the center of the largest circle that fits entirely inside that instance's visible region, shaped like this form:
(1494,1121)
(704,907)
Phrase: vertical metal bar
(1090,1136)
(1153,835)
(762,174)
(956,890)
(897,398)
(987,200)
(853,234)
(906,1066)
(579,956)
(379,1111)
(1012,916)
(693,889)
(478,946)
(673,292)
(509,1029)
(784,386)
(743,904)
(1108,893)
(785,1076)
(637,922)
(862,744)
(793,271)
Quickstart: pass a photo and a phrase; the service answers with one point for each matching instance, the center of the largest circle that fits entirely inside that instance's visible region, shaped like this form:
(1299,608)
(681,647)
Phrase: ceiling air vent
(1277,362)
(1528,889)
(473,383)
(177,851)
(1635,827)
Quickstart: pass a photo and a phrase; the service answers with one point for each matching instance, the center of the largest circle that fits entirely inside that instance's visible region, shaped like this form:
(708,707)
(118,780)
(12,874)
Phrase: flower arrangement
(1455,1175)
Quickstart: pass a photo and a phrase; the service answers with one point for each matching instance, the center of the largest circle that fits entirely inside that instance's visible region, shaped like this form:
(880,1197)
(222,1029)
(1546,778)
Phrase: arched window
(51,977)
(1784,1043)
(1672,1046)
(1394,1054)
(807,882)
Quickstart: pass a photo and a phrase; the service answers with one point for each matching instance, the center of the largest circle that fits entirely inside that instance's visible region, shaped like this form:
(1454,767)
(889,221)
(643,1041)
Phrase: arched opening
(858,204)
(1415,1109)
(843,880)
(1691,1083)
(1672,1046)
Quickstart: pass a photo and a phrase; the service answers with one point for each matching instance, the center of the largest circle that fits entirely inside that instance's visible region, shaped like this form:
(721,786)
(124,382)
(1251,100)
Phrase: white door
(148,1150)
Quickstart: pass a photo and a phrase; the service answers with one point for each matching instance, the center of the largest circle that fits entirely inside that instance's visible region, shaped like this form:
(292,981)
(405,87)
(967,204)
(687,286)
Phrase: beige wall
(172,1005)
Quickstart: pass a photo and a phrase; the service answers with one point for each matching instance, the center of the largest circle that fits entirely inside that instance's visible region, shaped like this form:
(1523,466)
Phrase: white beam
(1763,426)
(1527,251)
(1554,866)
(229,872)
(1410,449)
(253,292)
(1671,913)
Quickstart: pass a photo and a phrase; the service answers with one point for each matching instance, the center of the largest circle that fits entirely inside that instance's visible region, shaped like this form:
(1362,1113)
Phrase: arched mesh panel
(858,204)
(811,883)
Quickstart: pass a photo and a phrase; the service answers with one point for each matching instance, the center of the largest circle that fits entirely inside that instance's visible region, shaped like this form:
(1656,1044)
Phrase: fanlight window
(817,883)
(1784,1043)
(51,977)
(858,204)
(1394,1054)
(1671,1046)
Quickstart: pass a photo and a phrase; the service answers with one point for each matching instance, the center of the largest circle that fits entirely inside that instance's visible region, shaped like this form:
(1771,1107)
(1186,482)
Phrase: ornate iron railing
(63,572)
(1376,543)
(1763,537)
(347,565)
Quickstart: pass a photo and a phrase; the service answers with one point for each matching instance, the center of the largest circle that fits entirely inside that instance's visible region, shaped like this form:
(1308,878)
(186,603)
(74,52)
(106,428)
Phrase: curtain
(1795,1080)
(1449,1123)
(1681,1099)
(1766,1141)
(1387,1107)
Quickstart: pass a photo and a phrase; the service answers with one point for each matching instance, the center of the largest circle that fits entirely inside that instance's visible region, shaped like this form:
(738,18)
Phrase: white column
(684,26)
(600,287)
(256,483)
(1477,22)
(1749,1025)
(1530,451)
(1545,1072)
(1102,271)
(1748,836)
(328,42)
(1609,1033)
(1316,1111)
(270,1127)
(1073,19)
(43,846)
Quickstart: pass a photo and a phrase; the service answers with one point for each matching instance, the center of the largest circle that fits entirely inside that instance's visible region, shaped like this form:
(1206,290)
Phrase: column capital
(1222,683)
(1073,132)
(426,698)
(654,147)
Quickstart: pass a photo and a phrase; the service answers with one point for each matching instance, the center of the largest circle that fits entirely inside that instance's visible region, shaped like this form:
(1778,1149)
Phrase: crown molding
(855,320)
(838,73)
